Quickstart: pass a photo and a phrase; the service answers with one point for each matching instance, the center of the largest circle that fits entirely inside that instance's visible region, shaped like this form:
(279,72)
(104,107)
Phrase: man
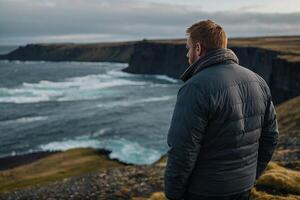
(224,128)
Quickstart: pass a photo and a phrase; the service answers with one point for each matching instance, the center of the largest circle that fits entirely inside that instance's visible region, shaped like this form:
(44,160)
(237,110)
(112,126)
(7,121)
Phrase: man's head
(203,37)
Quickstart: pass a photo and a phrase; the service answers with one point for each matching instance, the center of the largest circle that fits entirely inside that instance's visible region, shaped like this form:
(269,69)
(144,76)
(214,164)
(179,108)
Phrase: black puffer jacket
(223,131)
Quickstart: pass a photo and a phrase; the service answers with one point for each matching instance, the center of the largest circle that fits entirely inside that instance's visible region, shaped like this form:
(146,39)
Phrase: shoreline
(10,162)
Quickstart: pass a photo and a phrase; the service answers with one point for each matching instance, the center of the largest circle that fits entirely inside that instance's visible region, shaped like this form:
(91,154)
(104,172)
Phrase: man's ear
(199,49)
(202,51)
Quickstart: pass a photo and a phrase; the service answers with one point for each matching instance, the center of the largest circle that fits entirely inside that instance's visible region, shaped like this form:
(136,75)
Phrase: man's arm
(268,139)
(185,134)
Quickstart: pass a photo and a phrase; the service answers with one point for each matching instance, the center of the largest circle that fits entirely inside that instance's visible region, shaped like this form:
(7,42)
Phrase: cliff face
(282,76)
(109,52)
(170,59)
(285,79)
(256,59)
(158,58)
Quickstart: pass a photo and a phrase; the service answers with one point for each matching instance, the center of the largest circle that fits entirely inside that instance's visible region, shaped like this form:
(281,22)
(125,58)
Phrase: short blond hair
(209,33)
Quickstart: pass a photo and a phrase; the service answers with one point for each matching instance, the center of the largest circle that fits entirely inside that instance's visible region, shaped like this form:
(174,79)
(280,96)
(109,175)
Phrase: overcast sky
(31,21)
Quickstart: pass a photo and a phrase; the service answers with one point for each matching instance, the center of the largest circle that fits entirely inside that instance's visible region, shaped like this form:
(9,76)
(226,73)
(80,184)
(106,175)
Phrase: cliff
(151,57)
(97,52)
(276,59)
(282,76)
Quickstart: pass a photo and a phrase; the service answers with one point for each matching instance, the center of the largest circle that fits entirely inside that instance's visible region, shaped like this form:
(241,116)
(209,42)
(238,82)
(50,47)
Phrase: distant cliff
(100,52)
(169,58)
(158,58)
(282,76)
(276,59)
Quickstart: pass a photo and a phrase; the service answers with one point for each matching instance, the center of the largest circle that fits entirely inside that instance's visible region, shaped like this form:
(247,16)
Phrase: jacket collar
(222,55)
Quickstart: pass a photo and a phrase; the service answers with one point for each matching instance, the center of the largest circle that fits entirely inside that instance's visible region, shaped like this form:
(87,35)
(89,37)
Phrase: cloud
(78,20)
(252,8)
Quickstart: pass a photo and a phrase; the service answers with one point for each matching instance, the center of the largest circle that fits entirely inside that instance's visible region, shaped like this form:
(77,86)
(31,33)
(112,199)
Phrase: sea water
(48,106)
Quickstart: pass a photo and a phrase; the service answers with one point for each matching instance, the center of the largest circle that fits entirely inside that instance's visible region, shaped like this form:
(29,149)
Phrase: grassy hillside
(55,167)
(288,115)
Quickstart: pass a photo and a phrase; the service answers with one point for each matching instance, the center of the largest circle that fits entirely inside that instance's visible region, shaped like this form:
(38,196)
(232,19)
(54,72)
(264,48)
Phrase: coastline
(10,162)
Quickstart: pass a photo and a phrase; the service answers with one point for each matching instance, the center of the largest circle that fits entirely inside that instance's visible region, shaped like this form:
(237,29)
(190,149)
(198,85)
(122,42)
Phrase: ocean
(49,106)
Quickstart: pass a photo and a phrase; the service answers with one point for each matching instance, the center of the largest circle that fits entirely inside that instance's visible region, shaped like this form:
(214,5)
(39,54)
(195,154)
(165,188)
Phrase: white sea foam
(69,144)
(24,120)
(24,99)
(127,103)
(122,149)
(31,119)
(166,78)
(4,61)
(119,73)
(153,99)
(33,62)
(131,152)
(155,85)
(100,132)
(17,61)
(76,88)
(160,77)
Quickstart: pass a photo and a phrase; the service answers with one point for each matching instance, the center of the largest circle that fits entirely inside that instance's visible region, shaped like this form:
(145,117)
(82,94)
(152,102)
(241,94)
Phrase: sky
(86,21)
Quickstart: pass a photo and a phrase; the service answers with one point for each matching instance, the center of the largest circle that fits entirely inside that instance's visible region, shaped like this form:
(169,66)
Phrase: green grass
(55,167)
(279,180)
(289,117)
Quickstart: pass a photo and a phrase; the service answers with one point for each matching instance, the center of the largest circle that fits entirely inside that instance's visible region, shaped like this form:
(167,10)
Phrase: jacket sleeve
(186,131)
(268,139)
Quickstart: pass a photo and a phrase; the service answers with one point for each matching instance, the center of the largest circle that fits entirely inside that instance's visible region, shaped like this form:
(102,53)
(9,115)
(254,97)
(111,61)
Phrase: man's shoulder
(191,90)
(264,85)
(224,76)
(211,77)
